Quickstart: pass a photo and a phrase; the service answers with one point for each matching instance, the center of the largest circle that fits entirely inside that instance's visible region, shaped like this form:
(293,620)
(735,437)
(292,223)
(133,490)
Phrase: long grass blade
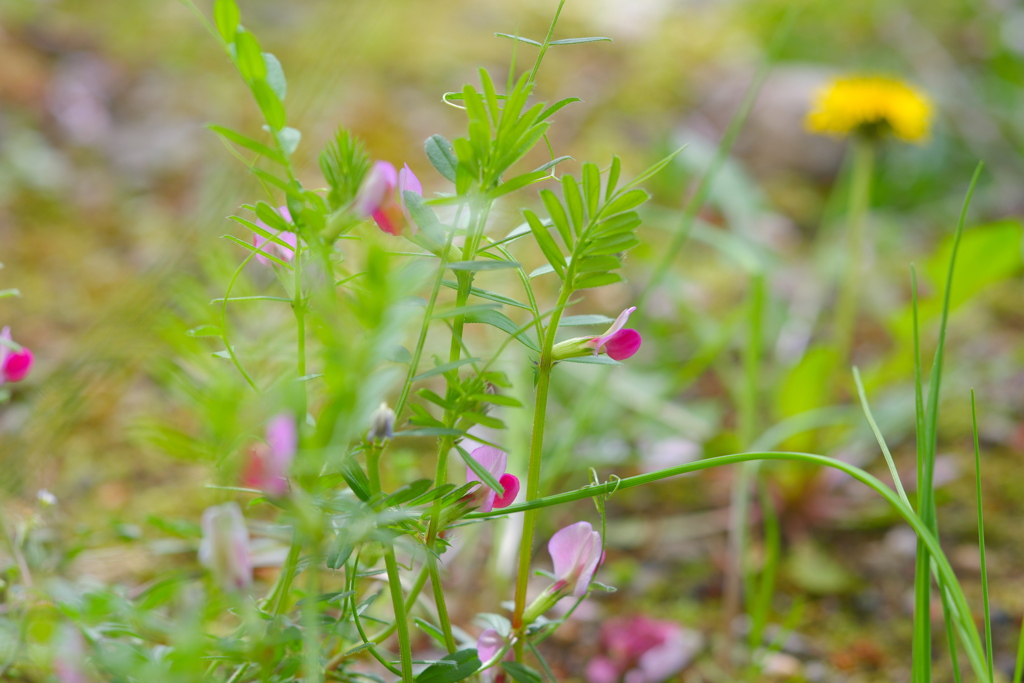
(878,436)
(981,539)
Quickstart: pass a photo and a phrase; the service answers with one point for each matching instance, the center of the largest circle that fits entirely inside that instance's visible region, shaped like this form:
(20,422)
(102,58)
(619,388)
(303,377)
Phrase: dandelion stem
(856,243)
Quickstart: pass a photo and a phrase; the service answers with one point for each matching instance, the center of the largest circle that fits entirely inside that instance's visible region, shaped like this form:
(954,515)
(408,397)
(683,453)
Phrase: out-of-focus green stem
(478,220)
(856,242)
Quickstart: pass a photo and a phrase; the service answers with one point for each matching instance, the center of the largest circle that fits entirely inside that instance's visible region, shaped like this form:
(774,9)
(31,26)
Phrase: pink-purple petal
(623,344)
(488,645)
(510,483)
(17,365)
(378,185)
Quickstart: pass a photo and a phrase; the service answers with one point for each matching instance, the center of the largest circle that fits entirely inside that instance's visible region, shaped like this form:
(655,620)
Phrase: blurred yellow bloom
(871,105)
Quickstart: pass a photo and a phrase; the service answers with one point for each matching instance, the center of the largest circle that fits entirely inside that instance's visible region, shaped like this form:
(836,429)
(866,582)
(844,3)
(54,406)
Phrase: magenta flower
(641,650)
(273,248)
(15,362)
(618,343)
(494,461)
(224,548)
(575,552)
(377,197)
(267,465)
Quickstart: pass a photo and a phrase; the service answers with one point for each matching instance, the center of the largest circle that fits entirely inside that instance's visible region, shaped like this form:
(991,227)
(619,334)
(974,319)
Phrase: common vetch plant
(324,556)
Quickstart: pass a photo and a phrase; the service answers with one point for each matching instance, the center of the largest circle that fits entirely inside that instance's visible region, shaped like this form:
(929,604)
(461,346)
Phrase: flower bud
(382,424)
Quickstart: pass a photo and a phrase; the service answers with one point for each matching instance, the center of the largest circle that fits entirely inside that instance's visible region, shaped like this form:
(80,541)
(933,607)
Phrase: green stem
(401,618)
(394,578)
(856,242)
(536,455)
(547,43)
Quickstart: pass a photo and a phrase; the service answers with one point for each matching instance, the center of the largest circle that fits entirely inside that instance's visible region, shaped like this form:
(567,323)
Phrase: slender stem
(401,618)
(536,455)
(981,541)
(547,42)
(279,595)
(856,242)
(394,578)
(1019,668)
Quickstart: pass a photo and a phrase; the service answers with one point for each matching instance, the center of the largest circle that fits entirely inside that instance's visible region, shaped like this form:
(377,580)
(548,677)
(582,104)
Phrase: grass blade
(981,539)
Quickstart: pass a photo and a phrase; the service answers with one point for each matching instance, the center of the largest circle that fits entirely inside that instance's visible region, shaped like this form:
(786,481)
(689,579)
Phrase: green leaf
(266,234)
(481,419)
(486,478)
(805,387)
(247,142)
(519,38)
(424,216)
(521,673)
(356,478)
(269,215)
(613,178)
(275,75)
(597,264)
(290,138)
(12,292)
(581,320)
(252,248)
(485,294)
(226,16)
(623,222)
(551,164)
(269,104)
(205,331)
(546,243)
(502,322)
(554,108)
(496,399)
(612,245)
(625,202)
(442,157)
(653,170)
(596,280)
(518,182)
(573,200)
(441,369)
(542,270)
(558,217)
(471,309)
(457,667)
(250,59)
(496,264)
(591,188)
(577,41)
(408,492)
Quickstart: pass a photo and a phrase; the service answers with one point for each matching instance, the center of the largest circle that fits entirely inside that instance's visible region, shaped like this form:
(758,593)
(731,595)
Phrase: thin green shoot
(981,539)
(878,436)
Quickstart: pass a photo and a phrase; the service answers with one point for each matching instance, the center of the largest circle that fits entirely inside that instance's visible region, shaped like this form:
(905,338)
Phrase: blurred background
(113,198)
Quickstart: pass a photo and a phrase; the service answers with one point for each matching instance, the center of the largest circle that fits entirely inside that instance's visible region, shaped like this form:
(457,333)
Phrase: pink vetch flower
(273,248)
(494,461)
(377,197)
(488,645)
(266,467)
(575,552)
(69,660)
(617,342)
(225,546)
(14,364)
(641,650)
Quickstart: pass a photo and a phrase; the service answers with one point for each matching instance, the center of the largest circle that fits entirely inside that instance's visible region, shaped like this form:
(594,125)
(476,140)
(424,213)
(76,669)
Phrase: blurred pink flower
(494,461)
(641,650)
(575,552)
(488,645)
(377,196)
(224,548)
(267,466)
(14,364)
(273,248)
(618,343)
(69,663)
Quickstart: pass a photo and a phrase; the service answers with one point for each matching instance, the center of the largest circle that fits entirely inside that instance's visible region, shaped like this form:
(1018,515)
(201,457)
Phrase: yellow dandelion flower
(871,105)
